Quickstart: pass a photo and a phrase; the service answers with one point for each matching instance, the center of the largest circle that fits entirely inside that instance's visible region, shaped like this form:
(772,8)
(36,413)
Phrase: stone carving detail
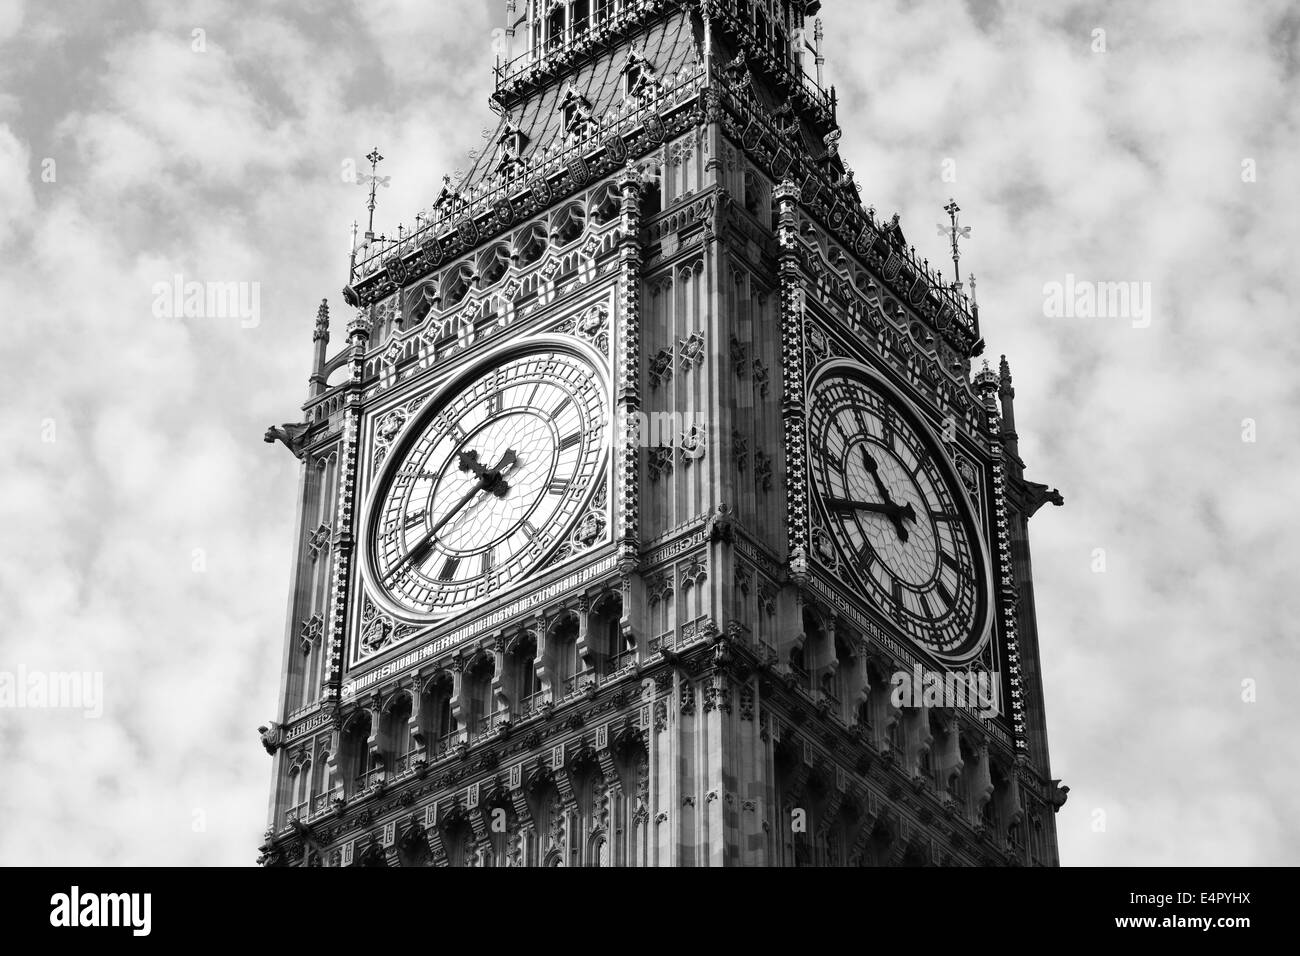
(312,631)
(966,472)
(762,470)
(378,630)
(692,350)
(739,361)
(292,436)
(747,701)
(661,368)
(694,442)
(657,587)
(739,449)
(390,425)
(760,377)
(593,326)
(824,549)
(319,540)
(687,699)
(661,462)
(589,530)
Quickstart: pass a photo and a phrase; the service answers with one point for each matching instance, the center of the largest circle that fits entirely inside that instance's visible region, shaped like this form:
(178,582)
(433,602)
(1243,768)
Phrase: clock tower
(651,511)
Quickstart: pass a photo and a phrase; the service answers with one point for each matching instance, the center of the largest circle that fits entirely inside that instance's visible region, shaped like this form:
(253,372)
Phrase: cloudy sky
(146,527)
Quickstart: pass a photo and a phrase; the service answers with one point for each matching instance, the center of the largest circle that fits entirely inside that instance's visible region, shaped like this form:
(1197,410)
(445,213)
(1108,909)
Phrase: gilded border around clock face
(381,476)
(974,524)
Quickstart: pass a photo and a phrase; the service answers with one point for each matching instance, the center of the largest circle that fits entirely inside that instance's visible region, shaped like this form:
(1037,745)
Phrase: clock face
(891,501)
(491,479)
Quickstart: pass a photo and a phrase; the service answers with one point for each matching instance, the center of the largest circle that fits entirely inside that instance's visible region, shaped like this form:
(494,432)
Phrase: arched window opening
(478,688)
(564,649)
(527,690)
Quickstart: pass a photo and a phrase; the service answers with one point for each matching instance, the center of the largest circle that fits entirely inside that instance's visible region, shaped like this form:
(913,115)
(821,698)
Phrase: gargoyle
(1038,495)
(291,435)
(270,737)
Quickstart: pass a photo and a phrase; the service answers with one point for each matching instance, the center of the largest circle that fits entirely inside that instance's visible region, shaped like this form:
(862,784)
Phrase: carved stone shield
(654,128)
(811,187)
(432,251)
(578,171)
(505,212)
(468,230)
(541,190)
(616,148)
(397,271)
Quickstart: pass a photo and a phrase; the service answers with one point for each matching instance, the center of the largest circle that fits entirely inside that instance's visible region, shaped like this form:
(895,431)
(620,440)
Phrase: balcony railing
(408,761)
(445,744)
(296,812)
(368,779)
(485,725)
(321,803)
(621,660)
(531,705)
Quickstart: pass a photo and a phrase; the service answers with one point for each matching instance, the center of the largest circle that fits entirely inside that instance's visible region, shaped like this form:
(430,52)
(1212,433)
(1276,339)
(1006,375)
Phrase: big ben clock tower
(652,512)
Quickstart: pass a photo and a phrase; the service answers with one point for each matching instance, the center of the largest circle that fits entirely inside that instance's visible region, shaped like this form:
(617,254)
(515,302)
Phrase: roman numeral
(555,412)
(448,572)
(944,516)
(494,403)
(557,486)
(944,592)
(570,440)
(925,606)
(951,561)
(487,561)
(414,518)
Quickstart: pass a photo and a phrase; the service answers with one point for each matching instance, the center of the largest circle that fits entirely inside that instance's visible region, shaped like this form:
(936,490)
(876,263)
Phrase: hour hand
(895,512)
(875,475)
(468,461)
(876,507)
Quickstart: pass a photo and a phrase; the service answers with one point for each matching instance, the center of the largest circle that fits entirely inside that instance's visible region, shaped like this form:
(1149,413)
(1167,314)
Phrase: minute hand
(889,508)
(487,478)
(899,513)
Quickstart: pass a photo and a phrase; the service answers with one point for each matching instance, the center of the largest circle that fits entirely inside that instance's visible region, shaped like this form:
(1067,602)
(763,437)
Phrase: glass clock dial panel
(892,503)
(491,484)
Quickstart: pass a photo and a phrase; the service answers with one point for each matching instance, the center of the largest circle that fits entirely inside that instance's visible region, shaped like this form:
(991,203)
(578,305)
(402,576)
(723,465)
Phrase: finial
(954,232)
(322,321)
(373,181)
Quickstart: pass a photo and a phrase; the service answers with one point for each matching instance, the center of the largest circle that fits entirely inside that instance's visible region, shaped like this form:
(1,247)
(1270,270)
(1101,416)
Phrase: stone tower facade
(651,513)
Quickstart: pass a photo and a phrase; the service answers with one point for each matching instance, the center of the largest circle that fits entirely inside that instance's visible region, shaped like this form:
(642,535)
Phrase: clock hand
(485,481)
(891,508)
(414,556)
(875,474)
(488,480)
(901,512)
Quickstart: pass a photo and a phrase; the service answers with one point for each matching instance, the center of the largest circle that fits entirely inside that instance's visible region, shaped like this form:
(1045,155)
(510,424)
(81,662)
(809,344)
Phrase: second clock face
(493,482)
(891,502)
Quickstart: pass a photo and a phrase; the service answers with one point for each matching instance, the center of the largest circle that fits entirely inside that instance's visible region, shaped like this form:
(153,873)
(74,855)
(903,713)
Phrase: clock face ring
(487,481)
(905,534)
